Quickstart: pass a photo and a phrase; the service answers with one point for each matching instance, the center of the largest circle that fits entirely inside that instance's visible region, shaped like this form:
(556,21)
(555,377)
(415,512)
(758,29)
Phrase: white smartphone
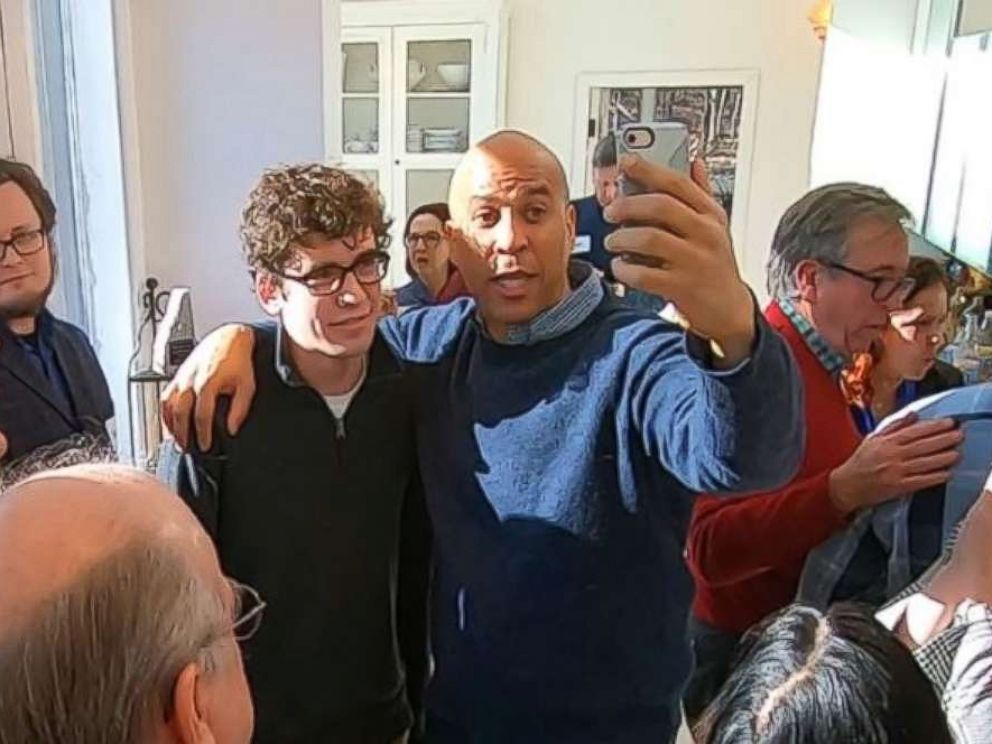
(663,142)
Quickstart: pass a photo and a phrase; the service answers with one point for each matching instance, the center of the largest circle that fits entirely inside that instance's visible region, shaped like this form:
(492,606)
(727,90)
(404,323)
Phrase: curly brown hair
(293,201)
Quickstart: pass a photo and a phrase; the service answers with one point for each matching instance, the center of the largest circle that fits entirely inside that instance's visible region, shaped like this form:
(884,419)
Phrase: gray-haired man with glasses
(116,622)
(51,384)
(318,500)
(837,270)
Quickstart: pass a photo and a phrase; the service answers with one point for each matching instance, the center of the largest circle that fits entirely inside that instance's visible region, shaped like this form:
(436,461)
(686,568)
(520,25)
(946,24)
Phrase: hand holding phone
(675,241)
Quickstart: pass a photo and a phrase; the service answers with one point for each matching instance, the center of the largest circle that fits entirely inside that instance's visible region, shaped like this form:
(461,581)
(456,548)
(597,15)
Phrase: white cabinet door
(414,97)
(442,102)
(366,103)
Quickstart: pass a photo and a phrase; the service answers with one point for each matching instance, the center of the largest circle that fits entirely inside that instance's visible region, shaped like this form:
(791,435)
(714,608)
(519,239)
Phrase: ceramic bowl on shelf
(454,75)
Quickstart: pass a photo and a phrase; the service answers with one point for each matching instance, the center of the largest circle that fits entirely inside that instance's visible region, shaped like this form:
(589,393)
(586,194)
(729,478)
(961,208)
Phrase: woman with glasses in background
(434,280)
(901,367)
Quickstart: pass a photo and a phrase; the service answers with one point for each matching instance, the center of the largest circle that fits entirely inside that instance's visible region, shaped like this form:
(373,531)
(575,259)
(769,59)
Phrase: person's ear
(458,243)
(807,280)
(269,291)
(188,722)
(570,220)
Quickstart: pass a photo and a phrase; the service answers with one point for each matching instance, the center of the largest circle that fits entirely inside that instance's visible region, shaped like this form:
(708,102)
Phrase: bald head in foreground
(116,623)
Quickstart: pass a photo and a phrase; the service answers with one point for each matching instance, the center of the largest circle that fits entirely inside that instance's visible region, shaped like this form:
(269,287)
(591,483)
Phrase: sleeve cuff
(701,352)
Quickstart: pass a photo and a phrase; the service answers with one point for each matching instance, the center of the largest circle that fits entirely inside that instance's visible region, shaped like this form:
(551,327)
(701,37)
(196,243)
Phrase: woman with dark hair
(806,677)
(434,280)
(901,366)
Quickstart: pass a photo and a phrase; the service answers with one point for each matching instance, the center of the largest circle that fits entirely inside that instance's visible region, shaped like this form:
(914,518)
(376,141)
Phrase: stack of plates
(414,139)
(442,140)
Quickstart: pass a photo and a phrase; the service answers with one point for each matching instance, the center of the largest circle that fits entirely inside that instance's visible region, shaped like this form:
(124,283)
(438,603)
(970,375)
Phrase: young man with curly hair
(317,502)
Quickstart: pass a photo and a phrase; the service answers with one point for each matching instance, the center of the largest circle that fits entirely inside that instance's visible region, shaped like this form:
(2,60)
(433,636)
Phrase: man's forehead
(877,244)
(358,239)
(490,176)
(17,206)
(316,248)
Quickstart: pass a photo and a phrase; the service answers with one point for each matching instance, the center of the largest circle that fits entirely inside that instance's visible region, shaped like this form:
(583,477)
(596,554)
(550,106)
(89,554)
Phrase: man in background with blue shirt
(561,440)
(591,227)
(51,384)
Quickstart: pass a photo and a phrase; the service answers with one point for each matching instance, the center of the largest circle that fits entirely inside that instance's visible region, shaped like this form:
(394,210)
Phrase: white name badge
(583,244)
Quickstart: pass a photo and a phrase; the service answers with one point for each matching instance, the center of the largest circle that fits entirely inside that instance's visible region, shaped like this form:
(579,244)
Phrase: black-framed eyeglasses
(430,239)
(883,288)
(247,612)
(368,268)
(24,244)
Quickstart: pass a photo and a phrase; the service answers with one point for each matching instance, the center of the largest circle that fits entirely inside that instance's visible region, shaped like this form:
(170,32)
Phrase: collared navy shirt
(39,349)
(587,292)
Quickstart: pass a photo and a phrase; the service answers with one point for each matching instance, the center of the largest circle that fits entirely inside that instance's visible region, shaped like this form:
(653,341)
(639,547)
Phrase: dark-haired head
(24,176)
(27,260)
(908,348)
(824,678)
(605,173)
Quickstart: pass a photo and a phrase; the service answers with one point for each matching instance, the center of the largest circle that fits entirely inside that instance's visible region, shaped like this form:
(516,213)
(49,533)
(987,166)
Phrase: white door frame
(748,79)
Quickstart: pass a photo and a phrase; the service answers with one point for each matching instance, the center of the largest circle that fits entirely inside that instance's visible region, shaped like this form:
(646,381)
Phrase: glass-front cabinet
(413,98)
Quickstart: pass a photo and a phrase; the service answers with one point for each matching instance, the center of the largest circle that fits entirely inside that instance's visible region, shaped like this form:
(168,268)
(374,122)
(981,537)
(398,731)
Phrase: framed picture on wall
(718,107)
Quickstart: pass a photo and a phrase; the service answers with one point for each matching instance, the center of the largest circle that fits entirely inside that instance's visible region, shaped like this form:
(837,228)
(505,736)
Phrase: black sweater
(326,520)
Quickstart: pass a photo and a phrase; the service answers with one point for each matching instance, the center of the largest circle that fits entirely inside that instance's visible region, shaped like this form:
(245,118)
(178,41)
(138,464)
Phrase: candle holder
(146,381)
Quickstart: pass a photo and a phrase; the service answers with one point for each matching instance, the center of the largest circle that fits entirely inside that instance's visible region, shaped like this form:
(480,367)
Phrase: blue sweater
(559,478)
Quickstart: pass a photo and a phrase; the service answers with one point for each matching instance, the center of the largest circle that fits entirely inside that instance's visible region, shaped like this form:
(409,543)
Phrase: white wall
(552,41)
(879,104)
(222,89)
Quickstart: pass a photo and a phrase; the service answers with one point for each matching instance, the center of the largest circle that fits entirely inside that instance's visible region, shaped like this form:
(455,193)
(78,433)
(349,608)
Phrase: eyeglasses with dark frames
(369,268)
(430,239)
(23,244)
(883,288)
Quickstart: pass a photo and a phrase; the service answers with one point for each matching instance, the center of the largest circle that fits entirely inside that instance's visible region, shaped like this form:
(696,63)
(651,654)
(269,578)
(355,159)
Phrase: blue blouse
(864,419)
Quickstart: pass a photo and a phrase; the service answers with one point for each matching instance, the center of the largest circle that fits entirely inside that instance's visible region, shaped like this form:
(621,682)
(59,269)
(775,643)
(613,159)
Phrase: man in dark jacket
(317,502)
(51,385)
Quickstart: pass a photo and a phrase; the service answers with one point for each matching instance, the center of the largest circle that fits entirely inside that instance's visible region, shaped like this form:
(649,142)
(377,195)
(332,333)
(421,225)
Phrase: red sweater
(746,554)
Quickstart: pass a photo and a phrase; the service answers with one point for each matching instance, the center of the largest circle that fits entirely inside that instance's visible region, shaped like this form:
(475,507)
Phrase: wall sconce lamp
(820,16)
